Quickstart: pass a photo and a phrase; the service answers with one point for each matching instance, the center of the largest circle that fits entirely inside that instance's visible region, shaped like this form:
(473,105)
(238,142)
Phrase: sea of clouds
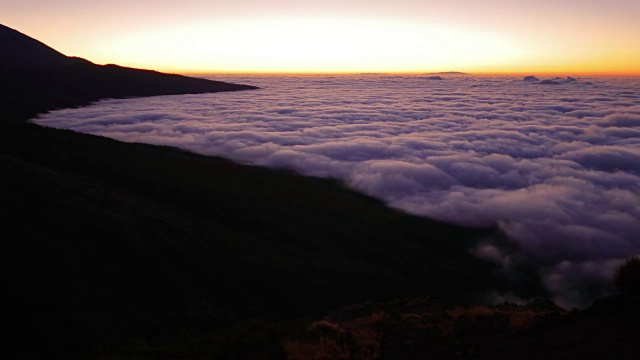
(555,164)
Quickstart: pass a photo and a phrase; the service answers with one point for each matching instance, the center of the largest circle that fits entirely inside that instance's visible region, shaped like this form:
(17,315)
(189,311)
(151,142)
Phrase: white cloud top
(555,164)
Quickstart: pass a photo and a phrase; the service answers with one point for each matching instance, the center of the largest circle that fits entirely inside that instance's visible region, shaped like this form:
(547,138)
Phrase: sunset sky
(336,36)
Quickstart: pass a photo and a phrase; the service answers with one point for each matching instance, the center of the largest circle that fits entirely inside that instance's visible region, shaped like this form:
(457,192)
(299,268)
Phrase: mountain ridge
(35,78)
(21,52)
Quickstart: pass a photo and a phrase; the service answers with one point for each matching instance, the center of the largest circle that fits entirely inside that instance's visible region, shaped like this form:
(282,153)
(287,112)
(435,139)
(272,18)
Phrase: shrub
(627,277)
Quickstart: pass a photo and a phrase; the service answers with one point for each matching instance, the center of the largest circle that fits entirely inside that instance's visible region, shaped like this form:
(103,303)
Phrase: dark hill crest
(22,52)
(35,78)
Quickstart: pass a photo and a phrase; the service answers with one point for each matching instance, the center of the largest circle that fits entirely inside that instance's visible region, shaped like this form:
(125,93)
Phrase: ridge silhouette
(22,52)
(35,78)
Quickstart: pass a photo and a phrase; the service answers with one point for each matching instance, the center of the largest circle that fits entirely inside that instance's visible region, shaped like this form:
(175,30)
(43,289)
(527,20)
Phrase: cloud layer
(557,167)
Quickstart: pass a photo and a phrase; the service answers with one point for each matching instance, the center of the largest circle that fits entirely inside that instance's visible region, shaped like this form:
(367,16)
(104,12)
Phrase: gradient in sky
(334,36)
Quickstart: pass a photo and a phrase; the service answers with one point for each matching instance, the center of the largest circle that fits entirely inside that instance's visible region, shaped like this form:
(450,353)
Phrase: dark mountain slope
(22,52)
(115,240)
(35,78)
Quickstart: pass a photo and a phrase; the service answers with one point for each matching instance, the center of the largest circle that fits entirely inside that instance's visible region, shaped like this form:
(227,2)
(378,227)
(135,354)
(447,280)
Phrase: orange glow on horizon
(496,37)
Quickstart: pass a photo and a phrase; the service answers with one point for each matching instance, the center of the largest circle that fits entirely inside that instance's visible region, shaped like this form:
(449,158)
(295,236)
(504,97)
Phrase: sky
(340,36)
(555,165)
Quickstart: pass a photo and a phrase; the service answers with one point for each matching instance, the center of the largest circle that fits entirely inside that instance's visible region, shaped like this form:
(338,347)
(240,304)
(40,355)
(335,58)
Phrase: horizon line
(460,73)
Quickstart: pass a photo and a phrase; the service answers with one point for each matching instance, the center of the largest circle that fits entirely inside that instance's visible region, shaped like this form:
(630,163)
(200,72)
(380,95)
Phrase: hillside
(115,240)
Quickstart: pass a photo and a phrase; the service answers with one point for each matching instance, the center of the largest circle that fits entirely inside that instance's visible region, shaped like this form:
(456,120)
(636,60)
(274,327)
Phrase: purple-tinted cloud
(556,167)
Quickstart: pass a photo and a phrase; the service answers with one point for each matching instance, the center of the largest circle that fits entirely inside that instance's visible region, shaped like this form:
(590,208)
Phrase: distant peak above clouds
(554,81)
(448,73)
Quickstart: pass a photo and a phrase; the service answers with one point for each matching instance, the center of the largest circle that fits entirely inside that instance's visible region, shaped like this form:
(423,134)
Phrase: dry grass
(472,312)
(368,343)
(520,320)
(360,334)
(323,348)
(357,339)
(325,325)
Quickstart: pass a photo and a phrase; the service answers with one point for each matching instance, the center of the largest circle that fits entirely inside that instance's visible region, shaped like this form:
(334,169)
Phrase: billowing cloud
(556,167)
